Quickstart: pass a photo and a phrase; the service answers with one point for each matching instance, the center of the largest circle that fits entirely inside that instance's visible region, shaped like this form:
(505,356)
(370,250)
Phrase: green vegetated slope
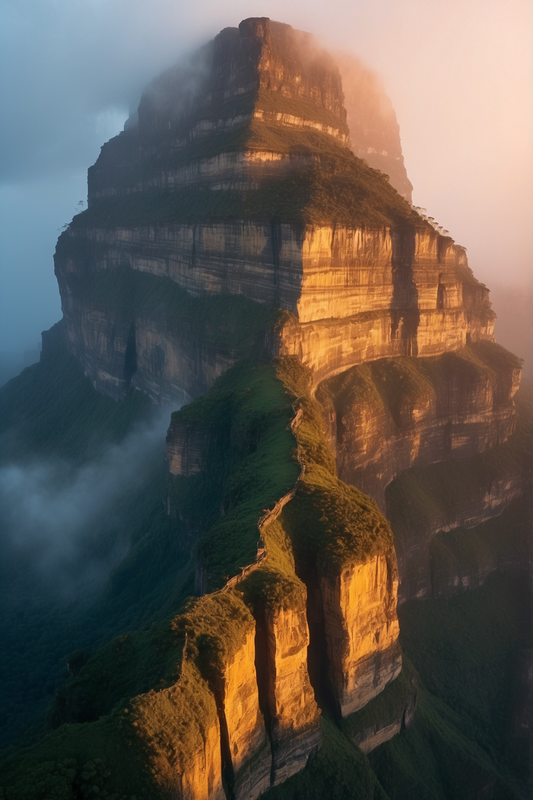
(464,740)
(142,672)
(247,415)
(133,709)
(123,569)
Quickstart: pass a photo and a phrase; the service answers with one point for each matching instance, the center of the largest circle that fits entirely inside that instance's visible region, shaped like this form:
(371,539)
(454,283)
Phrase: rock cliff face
(388,420)
(234,182)
(242,718)
(238,257)
(351,605)
(390,415)
(355,295)
(283,639)
(194,766)
(361,630)
(457,497)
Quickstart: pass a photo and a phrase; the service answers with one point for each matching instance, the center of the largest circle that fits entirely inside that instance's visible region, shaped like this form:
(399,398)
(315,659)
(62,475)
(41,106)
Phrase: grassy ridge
(145,706)
(327,519)
(254,459)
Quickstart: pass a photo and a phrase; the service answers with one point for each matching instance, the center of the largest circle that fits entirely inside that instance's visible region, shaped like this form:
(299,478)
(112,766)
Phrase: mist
(459,75)
(69,526)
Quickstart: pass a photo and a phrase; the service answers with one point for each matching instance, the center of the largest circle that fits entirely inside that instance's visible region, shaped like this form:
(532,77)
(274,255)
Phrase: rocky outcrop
(345,644)
(191,764)
(246,750)
(355,296)
(461,559)
(384,717)
(450,496)
(390,415)
(186,447)
(433,441)
(262,72)
(283,639)
(361,630)
(234,181)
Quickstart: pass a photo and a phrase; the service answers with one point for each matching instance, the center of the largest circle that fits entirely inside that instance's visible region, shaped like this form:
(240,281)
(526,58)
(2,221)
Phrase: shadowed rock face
(374,129)
(394,414)
(390,420)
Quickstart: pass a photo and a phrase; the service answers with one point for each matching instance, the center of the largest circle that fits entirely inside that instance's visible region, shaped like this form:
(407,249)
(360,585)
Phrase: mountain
(326,592)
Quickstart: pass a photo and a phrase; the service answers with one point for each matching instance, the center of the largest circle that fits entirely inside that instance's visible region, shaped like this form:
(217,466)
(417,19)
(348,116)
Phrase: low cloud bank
(69,526)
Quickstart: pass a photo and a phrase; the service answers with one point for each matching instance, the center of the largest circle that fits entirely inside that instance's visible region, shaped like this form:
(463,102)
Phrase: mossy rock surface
(337,187)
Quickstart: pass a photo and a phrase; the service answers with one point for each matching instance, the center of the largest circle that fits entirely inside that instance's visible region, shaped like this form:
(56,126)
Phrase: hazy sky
(459,72)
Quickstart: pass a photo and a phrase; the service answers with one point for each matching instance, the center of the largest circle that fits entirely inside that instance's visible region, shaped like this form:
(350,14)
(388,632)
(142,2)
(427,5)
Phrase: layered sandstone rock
(224,633)
(464,495)
(201,775)
(390,415)
(355,295)
(227,185)
(179,727)
(387,715)
(291,706)
(261,72)
(246,747)
(463,558)
(361,629)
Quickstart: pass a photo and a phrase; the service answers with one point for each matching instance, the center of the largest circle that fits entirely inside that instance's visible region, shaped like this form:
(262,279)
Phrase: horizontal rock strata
(354,295)
(361,630)
(388,416)
(390,713)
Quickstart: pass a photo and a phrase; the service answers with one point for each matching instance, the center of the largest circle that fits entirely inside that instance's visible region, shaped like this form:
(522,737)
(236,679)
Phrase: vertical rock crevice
(317,651)
(228,773)
(262,670)
(405,317)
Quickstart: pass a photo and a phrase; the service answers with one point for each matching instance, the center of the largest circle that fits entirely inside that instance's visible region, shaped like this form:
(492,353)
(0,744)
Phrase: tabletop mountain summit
(343,514)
